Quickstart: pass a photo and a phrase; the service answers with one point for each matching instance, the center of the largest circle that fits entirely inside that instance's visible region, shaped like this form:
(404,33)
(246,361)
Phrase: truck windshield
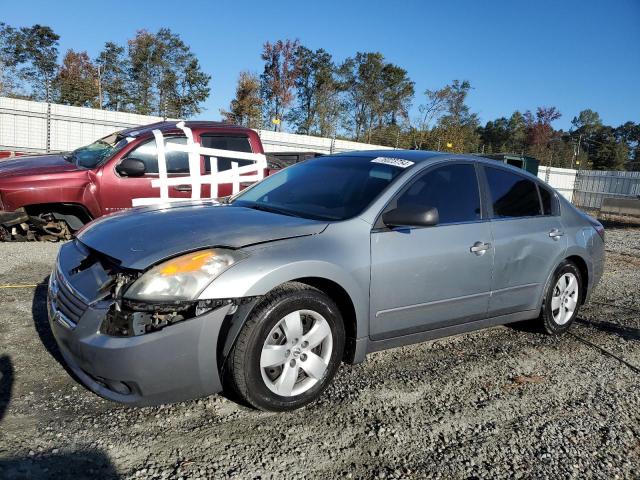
(94,154)
(325,188)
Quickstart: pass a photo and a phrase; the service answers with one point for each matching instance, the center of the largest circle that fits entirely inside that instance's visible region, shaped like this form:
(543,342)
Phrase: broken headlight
(184,277)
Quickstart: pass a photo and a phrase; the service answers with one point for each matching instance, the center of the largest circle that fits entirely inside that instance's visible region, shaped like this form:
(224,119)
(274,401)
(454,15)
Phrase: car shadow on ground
(43,329)
(6,383)
(41,320)
(627,333)
(76,465)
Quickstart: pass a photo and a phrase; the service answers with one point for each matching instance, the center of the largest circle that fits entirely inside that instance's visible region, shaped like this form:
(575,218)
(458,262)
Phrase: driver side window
(177,162)
(452,189)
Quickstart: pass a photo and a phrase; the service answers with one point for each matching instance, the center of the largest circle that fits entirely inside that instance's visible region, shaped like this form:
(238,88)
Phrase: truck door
(118,192)
(223,141)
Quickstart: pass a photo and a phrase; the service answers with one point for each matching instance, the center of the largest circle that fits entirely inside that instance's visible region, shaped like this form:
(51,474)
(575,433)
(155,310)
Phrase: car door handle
(556,234)
(479,248)
(183,188)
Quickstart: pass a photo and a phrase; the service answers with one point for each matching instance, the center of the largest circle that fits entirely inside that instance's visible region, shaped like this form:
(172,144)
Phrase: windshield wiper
(268,208)
(69,157)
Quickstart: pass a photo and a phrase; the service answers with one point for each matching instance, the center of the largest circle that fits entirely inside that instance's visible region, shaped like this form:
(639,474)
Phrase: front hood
(37,165)
(143,237)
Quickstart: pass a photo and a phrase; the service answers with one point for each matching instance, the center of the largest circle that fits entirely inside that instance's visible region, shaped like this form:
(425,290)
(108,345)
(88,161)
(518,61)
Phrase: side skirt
(394,342)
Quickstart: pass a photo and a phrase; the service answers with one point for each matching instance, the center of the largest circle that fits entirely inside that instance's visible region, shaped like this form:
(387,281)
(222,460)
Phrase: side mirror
(411,217)
(131,167)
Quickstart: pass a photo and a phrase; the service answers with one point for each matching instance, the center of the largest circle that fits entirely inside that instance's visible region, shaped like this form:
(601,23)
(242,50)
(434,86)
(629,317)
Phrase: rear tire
(562,299)
(289,350)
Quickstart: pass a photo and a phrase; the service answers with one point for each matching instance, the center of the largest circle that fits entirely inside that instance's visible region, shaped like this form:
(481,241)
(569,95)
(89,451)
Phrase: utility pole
(99,87)
(48,93)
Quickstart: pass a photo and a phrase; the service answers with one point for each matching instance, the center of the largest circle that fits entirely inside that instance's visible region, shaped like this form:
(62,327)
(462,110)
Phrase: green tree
(495,135)
(113,67)
(606,151)
(278,79)
(76,82)
(182,86)
(517,141)
(397,95)
(144,60)
(457,127)
(33,51)
(587,122)
(165,77)
(629,134)
(378,94)
(246,108)
(317,92)
(363,75)
(9,75)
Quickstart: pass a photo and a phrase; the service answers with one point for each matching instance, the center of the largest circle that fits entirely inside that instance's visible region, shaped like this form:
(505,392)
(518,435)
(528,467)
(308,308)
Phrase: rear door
(427,278)
(527,236)
(223,141)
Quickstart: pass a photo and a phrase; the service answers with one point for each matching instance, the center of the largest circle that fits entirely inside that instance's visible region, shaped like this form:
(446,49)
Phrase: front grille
(67,301)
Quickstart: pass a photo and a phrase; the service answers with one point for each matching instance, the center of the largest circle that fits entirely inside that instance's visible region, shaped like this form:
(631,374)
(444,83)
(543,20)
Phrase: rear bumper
(174,364)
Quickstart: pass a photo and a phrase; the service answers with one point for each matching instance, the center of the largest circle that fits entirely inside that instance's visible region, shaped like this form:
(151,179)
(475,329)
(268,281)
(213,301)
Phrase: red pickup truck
(50,196)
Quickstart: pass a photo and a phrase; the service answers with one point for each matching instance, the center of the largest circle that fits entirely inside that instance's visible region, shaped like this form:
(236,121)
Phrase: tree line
(152,74)
(364,98)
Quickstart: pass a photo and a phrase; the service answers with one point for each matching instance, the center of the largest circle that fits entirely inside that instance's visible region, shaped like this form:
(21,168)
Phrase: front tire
(289,350)
(562,299)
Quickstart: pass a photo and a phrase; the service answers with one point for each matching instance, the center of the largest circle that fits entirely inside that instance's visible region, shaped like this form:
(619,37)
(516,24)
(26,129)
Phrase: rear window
(237,143)
(512,195)
(549,203)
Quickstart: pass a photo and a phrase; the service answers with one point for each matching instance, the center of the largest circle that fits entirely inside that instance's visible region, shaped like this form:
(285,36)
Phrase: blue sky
(517,54)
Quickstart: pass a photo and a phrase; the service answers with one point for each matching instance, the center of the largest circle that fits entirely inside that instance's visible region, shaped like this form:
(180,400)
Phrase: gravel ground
(501,403)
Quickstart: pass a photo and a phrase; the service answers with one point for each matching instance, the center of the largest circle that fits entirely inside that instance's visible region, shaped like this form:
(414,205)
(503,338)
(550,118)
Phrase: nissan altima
(267,292)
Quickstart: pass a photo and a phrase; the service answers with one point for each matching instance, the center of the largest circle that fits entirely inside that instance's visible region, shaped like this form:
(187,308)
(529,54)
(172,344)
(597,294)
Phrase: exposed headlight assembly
(184,277)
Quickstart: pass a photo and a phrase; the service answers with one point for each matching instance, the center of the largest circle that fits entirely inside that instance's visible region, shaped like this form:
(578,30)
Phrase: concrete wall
(23,127)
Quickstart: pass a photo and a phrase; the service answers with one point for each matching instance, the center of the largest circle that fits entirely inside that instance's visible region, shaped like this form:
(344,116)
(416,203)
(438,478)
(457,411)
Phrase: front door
(122,191)
(432,277)
(528,238)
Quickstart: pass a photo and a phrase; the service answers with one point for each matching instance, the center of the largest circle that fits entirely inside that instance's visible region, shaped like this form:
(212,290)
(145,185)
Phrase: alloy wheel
(565,298)
(296,354)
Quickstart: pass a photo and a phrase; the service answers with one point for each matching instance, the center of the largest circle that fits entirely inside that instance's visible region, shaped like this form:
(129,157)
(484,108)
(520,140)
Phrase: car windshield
(94,154)
(325,188)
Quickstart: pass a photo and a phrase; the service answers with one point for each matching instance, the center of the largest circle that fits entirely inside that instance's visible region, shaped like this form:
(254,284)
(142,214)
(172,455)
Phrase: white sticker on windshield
(395,162)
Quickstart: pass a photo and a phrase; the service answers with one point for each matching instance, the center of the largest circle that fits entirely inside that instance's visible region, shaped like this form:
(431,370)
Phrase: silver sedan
(324,262)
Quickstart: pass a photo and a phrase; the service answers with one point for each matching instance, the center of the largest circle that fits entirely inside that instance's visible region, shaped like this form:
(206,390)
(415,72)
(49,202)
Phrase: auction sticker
(395,162)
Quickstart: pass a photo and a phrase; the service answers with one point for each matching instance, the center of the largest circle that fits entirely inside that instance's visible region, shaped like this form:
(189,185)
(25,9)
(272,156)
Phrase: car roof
(428,156)
(172,125)
(412,155)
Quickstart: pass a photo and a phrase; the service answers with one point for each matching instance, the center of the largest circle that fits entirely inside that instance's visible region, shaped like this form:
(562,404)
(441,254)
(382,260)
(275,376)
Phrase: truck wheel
(289,350)
(562,299)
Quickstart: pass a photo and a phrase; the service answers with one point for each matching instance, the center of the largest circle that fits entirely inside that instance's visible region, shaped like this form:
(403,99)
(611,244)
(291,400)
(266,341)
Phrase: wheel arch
(583,268)
(339,295)
(335,291)
(75,214)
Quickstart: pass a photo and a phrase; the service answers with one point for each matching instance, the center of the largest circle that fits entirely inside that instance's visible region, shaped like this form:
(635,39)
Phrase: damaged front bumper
(170,365)
(178,361)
